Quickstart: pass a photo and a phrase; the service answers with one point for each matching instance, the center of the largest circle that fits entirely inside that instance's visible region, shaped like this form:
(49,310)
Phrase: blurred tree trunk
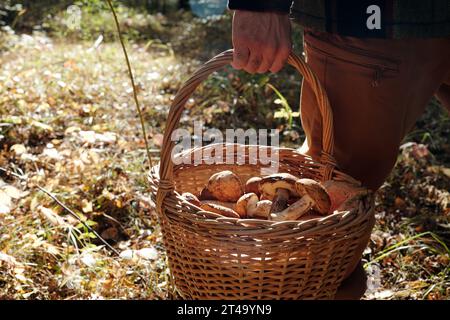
(38,8)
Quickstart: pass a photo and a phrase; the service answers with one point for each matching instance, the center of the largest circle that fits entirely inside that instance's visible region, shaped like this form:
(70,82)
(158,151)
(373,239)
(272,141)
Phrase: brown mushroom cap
(224,211)
(292,200)
(243,202)
(313,189)
(225,186)
(280,201)
(206,195)
(229,205)
(340,191)
(294,211)
(269,185)
(263,197)
(252,185)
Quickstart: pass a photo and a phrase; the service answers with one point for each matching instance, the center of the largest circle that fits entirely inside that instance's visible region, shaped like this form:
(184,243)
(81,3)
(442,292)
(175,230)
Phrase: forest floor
(68,124)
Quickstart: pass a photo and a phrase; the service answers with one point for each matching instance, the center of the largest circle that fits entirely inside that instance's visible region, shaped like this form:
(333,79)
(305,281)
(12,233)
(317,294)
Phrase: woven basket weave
(214,257)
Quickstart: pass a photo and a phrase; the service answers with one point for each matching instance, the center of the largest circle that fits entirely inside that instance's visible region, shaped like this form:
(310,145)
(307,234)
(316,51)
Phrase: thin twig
(70,211)
(130,72)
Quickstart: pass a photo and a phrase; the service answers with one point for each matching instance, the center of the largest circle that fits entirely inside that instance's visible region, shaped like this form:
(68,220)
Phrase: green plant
(96,19)
(286,111)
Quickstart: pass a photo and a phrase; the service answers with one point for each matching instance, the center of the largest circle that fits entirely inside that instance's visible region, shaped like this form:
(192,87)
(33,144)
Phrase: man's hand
(261,41)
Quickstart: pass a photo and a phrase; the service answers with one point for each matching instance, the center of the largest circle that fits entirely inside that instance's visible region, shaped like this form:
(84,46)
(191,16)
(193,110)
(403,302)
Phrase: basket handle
(166,165)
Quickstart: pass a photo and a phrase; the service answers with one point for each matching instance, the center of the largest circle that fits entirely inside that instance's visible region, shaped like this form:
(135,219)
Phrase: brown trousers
(377,89)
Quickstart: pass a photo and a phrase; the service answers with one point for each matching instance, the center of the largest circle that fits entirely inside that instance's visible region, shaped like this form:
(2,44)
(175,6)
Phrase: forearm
(261,34)
(261,5)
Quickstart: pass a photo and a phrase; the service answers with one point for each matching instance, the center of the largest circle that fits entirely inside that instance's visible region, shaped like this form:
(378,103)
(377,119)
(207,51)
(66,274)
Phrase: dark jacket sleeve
(260,5)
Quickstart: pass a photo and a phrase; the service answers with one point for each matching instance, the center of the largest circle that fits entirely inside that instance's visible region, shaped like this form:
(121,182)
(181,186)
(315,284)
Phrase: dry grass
(68,123)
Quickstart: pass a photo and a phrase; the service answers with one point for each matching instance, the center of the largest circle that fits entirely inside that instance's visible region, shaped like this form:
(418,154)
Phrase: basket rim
(197,215)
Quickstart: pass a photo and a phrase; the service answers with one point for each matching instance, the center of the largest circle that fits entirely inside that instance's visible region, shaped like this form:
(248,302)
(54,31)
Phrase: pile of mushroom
(277,197)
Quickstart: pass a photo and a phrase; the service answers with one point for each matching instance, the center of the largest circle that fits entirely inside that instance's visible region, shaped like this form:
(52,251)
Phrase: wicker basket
(214,257)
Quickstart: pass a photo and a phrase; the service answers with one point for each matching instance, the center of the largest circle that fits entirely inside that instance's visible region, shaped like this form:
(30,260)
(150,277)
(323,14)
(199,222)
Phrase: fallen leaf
(41,126)
(71,130)
(88,259)
(439,169)
(69,64)
(21,277)
(420,151)
(127,254)
(147,253)
(53,250)
(92,137)
(87,136)
(52,153)
(110,234)
(5,203)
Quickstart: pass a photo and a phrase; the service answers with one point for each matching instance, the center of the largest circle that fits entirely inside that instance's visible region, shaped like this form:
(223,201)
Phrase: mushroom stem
(224,211)
(225,186)
(270,184)
(353,202)
(206,195)
(294,211)
(247,200)
(313,189)
(189,197)
(280,201)
(259,210)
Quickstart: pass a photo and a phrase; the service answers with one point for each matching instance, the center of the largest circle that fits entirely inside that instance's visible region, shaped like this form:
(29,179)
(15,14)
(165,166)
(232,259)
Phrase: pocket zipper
(378,68)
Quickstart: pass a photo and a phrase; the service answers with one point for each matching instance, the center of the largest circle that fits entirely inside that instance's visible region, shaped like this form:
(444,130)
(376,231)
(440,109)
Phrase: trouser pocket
(351,51)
